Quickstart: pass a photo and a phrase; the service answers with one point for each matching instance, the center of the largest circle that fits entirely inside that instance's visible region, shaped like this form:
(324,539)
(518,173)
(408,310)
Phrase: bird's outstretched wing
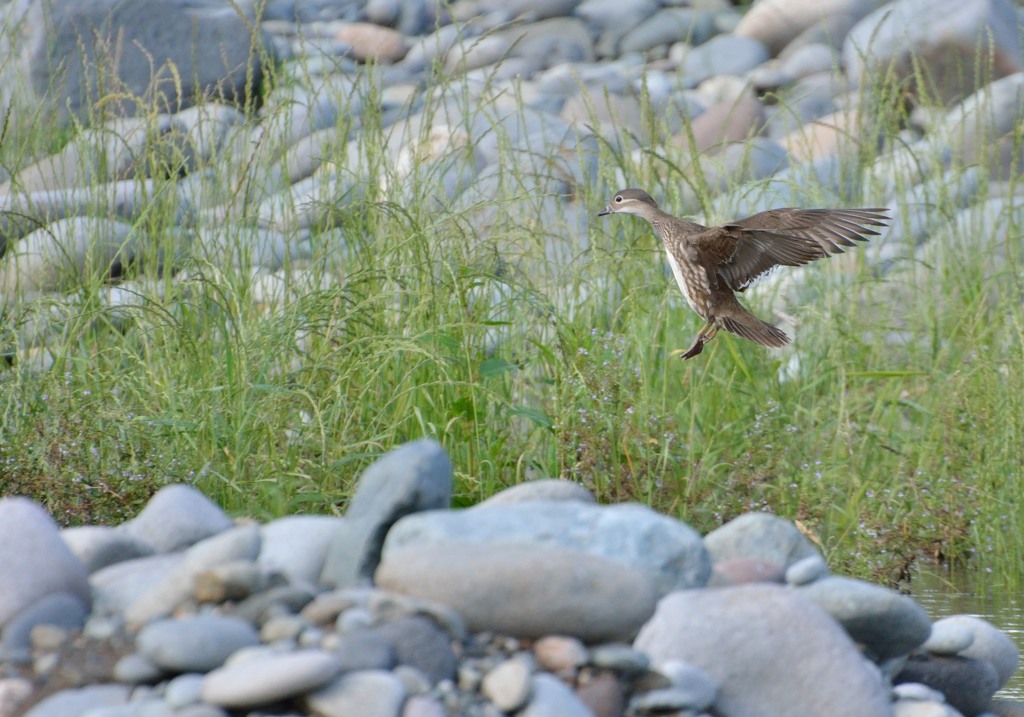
(744,251)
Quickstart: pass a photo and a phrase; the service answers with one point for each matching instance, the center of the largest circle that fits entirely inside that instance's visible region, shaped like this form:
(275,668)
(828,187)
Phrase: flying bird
(713,264)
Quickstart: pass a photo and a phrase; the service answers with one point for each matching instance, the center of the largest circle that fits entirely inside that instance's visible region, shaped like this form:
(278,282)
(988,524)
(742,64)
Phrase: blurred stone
(133,46)
(935,41)
(769,650)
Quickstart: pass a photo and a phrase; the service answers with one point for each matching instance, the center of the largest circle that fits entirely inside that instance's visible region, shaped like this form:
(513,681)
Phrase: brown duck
(711,263)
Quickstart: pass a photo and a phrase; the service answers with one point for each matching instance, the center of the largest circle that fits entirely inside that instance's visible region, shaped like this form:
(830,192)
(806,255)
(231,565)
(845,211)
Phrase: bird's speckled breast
(697,278)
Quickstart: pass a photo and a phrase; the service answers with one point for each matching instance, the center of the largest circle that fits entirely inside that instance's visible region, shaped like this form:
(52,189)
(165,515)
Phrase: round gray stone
(769,650)
(887,623)
(195,644)
(34,561)
(368,693)
(989,643)
(948,638)
(759,535)
(269,678)
(176,517)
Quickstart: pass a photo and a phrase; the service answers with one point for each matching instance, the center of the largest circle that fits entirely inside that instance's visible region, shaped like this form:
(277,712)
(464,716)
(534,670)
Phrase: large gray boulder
(937,43)
(772,652)
(131,54)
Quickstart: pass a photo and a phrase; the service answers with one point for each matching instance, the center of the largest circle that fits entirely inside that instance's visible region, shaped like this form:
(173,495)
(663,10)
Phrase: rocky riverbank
(535,602)
(485,111)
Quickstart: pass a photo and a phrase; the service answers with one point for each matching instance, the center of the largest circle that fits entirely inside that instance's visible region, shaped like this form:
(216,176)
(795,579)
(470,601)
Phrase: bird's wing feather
(746,250)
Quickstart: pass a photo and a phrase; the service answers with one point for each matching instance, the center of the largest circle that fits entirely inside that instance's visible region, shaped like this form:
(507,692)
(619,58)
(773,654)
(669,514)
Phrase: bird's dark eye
(618,198)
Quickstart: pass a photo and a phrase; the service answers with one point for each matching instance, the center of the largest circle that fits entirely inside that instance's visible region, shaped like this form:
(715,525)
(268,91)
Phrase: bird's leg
(706,333)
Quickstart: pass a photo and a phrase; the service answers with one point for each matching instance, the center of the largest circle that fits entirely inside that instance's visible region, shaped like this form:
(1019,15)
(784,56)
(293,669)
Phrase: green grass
(415,320)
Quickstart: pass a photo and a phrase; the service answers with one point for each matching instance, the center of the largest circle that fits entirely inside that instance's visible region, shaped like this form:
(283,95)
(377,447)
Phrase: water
(942,592)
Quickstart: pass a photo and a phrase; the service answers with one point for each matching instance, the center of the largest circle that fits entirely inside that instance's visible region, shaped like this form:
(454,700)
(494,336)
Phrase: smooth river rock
(771,652)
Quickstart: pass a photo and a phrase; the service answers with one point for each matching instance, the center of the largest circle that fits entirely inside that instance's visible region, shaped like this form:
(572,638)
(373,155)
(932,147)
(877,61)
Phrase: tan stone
(369,41)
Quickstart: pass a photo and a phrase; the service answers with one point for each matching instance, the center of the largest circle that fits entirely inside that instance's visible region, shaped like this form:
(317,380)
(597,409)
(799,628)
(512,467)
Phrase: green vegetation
(897,435)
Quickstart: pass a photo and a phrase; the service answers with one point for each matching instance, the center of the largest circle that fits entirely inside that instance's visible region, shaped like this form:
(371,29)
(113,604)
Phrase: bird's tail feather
(750,327)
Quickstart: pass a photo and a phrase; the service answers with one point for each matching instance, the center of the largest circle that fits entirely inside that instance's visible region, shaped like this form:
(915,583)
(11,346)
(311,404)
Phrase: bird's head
(630,201)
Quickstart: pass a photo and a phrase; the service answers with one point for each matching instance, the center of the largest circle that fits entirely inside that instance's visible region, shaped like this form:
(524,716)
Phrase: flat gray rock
(759,535)
(34,561)
(195,644)
(670,551)
(269,678)
(176,517)
(526,590)
(887,623)
(413,477)
(769,650)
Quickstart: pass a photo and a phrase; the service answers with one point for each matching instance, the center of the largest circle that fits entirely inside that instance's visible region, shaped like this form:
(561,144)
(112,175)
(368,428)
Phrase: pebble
(508,684)
(806,571)
(270,678)
(560,654)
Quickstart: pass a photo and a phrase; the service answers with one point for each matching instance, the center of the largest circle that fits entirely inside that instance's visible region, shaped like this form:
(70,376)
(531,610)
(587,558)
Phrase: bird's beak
(606,210)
